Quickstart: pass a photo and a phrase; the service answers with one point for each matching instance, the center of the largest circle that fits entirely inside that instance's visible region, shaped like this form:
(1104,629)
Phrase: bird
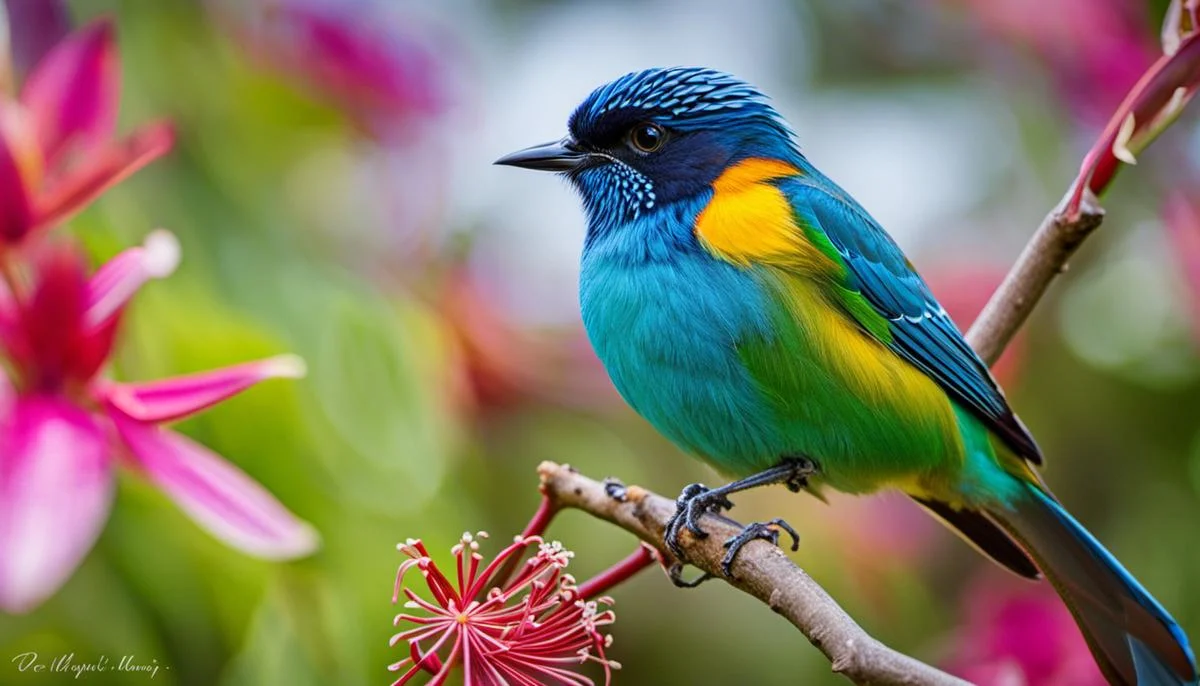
(757,316)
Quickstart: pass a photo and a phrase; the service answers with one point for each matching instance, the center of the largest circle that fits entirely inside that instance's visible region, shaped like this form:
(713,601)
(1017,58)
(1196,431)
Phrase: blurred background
(333,192)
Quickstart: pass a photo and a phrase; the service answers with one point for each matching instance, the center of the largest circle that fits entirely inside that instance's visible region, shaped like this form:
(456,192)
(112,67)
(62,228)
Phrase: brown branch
(1044,258)
(761,569)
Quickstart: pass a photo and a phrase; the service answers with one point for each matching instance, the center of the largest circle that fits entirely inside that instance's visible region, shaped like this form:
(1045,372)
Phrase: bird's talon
(802,468)
(693,522)
(675,574)
(689,492)
(763,531)
(693,503)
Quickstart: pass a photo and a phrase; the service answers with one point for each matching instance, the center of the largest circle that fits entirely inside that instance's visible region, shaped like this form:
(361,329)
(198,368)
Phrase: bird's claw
(765,531)
(693,503)
(675,574)
(802,468)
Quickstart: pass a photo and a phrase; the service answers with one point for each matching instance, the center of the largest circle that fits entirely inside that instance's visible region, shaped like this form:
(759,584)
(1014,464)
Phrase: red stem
(431,663)
(541,519)
(536,527)
(1145,100)
(638,560)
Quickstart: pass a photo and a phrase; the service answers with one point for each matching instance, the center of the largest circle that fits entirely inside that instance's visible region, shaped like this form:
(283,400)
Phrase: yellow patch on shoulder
(749,221)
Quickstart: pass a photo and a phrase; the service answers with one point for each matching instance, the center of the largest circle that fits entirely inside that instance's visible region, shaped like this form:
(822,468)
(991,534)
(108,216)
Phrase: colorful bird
(757,316)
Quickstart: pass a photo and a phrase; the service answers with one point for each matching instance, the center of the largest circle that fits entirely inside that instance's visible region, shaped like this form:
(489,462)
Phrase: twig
(1044,258)
(761,569)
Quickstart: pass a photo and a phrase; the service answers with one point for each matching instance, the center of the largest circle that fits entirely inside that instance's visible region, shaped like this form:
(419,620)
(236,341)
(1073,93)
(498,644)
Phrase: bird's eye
(647,137)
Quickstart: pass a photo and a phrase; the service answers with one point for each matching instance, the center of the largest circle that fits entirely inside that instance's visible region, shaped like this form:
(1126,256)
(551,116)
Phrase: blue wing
(921,331)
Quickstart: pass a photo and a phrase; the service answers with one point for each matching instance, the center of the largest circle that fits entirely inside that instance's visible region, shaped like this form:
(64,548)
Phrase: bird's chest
(667,332)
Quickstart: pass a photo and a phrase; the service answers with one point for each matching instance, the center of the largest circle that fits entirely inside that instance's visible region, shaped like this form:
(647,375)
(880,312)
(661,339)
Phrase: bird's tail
(1134,640)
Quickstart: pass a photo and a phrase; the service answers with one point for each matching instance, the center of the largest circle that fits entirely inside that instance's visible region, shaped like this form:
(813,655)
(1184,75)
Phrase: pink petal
(100,171)
(218,496)
(8,395)
(48,346)
(43,24)
(55,490)
(8,310)
(72,94)
(384,80)
(20,171)
(178,397)
(117,280)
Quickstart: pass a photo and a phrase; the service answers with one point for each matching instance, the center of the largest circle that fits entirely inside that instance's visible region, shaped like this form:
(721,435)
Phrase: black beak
(559,156)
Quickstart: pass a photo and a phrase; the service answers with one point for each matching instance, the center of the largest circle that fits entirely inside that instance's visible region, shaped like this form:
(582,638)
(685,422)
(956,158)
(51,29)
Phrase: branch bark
(763,570)
(1044,257)
(760,569)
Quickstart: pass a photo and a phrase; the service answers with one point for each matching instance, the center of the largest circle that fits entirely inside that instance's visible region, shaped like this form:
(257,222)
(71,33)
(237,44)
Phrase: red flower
(57,151)
(530,630)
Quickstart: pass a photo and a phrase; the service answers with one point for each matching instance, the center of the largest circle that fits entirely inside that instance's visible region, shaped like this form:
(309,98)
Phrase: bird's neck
(649,236)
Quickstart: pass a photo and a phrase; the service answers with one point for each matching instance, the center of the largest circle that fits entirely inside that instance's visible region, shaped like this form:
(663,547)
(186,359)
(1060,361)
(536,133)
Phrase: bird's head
(653,138)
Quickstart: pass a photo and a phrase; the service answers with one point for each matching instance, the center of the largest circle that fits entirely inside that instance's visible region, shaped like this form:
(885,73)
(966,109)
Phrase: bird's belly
(669,336)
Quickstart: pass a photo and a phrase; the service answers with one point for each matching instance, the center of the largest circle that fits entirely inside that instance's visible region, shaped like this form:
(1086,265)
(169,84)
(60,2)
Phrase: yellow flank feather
(872,372)
(750,221)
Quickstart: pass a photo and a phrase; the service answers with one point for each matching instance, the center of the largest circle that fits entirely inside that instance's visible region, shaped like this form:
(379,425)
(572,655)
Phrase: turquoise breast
(666,326)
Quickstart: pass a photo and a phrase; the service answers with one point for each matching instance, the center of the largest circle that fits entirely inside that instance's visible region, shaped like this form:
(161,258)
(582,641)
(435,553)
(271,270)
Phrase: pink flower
(1020,634)
(64,426)
(57,151)
(527,631)
(1094,50)
(383,79)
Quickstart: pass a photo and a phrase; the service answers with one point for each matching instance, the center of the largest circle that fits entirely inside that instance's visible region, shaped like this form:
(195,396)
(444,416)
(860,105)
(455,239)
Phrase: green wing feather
(884,294)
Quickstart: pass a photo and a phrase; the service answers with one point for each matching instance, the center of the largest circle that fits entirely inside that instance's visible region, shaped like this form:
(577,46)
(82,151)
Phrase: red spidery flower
(529,630)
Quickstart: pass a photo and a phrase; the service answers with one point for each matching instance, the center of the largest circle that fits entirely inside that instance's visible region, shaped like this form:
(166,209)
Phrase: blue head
(655,138)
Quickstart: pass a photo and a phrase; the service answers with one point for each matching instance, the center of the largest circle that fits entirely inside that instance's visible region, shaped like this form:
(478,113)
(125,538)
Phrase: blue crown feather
(685,95)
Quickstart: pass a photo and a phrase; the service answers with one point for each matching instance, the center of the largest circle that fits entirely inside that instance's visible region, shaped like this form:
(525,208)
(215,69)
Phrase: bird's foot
(800,469)
(765,531)
(694,502)
(675,574)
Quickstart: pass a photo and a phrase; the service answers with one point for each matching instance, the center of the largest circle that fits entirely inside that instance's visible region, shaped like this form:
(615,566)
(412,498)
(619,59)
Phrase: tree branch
(1044,257)
(760,569)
